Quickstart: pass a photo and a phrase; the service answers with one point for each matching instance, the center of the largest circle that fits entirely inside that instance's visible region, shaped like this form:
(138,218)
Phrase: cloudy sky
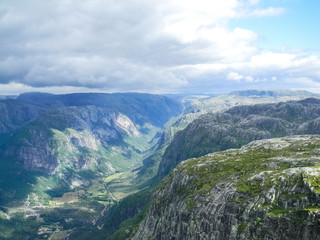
(167,46)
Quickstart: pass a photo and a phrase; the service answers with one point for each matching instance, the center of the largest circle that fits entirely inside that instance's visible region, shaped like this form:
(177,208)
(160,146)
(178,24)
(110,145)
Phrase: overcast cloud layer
(163,46)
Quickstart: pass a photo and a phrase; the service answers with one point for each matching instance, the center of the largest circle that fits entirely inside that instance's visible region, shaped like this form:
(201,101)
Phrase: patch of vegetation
(191,204)
(239,200)
(258,220)
(315,182)
(20,184)
(129,227)
(18,228)
(242,227)
(113,177)
(278,212)
(313,209)
(182,190)
(122,219)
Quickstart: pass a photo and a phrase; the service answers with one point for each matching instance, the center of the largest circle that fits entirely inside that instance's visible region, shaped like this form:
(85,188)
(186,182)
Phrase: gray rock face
(35,127)
(38,157)
(139,107)
(63,134)
(241,125)
(33,151)
(80,130)
(265,190)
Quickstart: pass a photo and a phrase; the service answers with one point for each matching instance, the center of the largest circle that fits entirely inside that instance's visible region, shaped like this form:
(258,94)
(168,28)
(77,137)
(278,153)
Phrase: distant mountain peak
(272,93)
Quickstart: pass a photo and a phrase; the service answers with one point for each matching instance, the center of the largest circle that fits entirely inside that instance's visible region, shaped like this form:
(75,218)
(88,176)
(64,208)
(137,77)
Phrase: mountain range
(94,166)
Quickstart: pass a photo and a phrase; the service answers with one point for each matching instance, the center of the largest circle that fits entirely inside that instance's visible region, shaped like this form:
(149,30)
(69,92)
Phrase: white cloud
(14,88)
(272,59)
(253,2)
(152,46)
(235,76)
(249,79)
(268,12)
(303,81)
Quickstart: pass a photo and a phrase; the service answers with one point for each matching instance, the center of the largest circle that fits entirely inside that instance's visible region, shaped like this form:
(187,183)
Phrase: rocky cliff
(268,189)
(240,125)
(49,130)
(200,105)
(141,108)
(68,136)
(15,114)
(56,143)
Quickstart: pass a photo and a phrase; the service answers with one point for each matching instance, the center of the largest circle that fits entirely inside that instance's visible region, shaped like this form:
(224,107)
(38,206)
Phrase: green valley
(90,166)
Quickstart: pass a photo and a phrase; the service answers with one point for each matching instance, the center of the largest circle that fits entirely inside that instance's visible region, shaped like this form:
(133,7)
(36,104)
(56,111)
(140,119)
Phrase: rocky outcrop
(124,123)
(268,189)
(31,149)
(240,125)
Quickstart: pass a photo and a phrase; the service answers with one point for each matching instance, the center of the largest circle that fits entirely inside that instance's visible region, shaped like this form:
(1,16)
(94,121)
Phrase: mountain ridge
(96,158)
(240,125)
(268,189)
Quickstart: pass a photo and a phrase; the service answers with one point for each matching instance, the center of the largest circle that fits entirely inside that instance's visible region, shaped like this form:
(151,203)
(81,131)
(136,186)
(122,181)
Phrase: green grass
(242,227)
(114,177)
(15,182)
(315,183)
(313,209)
(128,228)
(18,228)
(122,219)
(191,204)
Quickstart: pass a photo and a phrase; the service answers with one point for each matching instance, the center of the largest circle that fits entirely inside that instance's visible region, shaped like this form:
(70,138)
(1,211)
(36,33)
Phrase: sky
(168,46)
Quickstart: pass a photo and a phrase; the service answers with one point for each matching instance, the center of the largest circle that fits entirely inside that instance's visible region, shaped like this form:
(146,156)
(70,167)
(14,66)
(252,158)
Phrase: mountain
(246,97)
(139,107)
(268,189)
(15,114)
(274,93)
(78,151)
(198,105)
(8,97)
(240,125)
(83,166)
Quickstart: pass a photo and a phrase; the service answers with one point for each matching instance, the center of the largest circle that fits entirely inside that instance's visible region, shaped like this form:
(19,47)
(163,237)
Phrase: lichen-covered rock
(268,189)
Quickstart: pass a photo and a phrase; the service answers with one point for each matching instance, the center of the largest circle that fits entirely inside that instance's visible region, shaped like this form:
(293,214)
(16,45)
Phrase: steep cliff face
(268,189)
(241,125)
(56,143)
(76,137)
(139,107)
(209,137)
(46,131)
(15,114)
